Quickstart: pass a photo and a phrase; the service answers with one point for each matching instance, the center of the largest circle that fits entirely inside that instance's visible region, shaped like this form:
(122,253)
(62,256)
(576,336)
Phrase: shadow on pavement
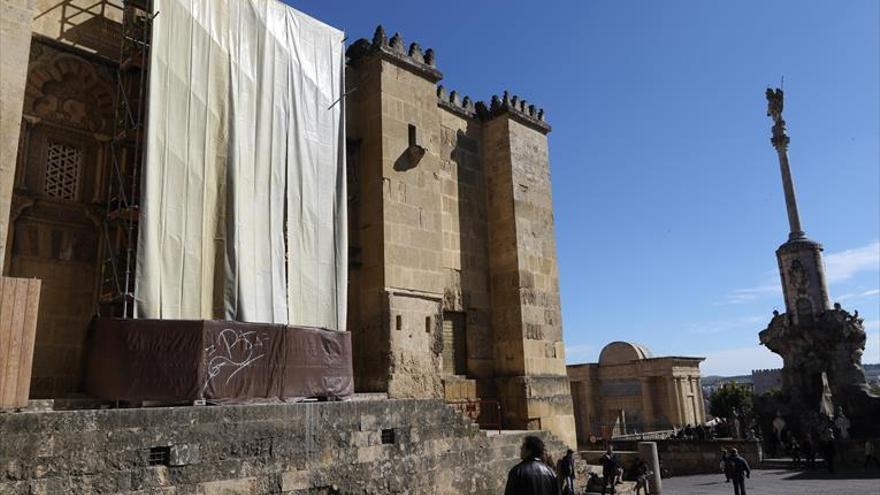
(841,474)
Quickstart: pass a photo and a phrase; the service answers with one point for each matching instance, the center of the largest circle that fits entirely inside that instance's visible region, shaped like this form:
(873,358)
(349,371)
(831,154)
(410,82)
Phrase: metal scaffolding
(127,150)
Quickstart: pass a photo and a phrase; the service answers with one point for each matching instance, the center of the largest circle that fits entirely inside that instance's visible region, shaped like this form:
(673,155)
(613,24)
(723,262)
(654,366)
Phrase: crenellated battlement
(455,103)
(516,107)
(767,371)
(424,63)
(395,50)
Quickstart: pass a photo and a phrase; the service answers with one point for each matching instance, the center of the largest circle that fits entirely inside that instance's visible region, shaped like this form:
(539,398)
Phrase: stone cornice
(799,245)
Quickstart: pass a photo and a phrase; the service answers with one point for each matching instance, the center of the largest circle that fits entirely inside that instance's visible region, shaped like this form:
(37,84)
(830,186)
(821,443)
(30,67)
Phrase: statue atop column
(821,345)
(774,104)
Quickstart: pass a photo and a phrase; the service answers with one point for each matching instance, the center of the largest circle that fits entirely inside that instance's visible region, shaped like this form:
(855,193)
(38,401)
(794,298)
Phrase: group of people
(803,451)
(723,428)
(538,475)
(821,439)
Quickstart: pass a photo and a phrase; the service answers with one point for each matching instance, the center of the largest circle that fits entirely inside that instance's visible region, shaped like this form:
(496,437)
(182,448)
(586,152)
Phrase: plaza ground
(781,482)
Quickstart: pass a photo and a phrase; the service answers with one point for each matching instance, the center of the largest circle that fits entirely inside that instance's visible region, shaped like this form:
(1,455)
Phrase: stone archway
(58,204)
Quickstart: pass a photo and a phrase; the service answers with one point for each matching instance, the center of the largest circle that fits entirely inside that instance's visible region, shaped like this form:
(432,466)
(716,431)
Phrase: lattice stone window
(63,164)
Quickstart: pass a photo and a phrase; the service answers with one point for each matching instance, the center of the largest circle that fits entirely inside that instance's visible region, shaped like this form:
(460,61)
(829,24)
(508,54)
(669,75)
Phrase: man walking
(609,469)
(566,473)
(531,476)
(725,465)
(739,471)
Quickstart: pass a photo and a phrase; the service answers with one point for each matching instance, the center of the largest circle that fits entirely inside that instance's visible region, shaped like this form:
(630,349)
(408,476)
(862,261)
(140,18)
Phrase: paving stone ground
(780,482)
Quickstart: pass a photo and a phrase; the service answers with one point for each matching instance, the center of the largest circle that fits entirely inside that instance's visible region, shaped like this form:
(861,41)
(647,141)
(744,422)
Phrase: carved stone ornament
(798,276)
(69,90)
(774,104)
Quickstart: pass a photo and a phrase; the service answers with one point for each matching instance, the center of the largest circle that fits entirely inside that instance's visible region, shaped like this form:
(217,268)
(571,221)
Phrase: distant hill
(872,373)
(711,380)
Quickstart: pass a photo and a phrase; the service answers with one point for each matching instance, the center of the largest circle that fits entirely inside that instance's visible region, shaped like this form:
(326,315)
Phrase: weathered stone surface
(453,215)
(257,449)
(15,42)
(682,457)
(829,342)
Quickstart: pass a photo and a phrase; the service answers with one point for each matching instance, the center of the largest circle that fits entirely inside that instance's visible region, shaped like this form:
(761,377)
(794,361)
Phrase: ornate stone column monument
(813,337)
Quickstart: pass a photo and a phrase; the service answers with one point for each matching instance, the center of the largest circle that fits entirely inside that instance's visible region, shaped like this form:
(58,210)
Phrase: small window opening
(399,322)
(388,436)
(159,456)
(412,135)
(427,324)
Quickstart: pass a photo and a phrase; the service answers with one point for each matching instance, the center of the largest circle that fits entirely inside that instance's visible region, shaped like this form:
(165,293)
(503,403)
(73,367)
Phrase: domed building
(629,390)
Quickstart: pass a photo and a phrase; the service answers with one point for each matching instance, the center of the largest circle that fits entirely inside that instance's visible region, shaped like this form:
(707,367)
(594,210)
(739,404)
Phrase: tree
(729,396)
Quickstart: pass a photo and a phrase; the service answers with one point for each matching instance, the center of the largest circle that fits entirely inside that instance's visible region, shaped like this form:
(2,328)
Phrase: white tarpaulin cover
(245,145)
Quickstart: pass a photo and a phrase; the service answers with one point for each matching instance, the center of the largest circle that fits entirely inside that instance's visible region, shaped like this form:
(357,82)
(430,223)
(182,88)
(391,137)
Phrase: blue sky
(667,194)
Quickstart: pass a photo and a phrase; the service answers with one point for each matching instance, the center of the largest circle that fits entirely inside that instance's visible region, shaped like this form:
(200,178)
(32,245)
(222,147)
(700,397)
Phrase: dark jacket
(739,467)
(531,477)
(609,464)
(566,466)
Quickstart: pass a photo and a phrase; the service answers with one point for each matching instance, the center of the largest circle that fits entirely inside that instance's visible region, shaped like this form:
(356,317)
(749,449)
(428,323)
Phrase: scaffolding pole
(120,226)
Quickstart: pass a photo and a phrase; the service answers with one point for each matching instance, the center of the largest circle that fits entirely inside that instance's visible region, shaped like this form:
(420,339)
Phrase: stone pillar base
(648,453)
(538,403)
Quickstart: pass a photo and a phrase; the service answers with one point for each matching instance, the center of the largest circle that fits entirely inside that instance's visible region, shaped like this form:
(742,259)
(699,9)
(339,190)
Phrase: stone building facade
(453,283)
(56,121)
(766,380)
(628,390)
(454,279)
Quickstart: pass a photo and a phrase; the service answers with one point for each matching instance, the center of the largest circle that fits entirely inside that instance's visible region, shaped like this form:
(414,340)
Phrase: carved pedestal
(832,343)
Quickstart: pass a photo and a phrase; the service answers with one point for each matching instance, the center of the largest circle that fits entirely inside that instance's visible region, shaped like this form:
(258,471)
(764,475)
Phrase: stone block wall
(464,226)
(467,227)
(683,457)
(368,313)
(15,43)
(357,447)
(415,345)
(526,317)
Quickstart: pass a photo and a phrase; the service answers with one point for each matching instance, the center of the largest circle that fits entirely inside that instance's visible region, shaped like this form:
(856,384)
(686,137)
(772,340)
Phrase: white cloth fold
(245,146)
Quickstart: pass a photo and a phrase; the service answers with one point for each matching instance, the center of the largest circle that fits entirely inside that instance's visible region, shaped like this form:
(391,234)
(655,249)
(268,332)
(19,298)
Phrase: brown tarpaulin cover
(170,360)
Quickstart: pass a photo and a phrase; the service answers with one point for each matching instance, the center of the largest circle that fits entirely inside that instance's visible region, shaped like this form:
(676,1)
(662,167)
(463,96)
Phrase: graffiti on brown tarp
(233,350)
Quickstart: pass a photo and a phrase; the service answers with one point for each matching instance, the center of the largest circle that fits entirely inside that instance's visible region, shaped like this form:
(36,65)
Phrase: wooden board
(19,302)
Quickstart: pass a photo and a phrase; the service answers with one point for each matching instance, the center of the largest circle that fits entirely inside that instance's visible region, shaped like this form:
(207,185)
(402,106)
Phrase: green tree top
(728,397)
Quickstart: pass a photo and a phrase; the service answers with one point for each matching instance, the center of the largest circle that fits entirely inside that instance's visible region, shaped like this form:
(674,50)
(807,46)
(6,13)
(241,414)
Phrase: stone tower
(454,288)
(818,342)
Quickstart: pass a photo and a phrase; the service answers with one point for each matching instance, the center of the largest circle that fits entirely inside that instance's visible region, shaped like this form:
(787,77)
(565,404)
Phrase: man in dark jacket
(531,476)
(566,473)
(739,471)
(609,469)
